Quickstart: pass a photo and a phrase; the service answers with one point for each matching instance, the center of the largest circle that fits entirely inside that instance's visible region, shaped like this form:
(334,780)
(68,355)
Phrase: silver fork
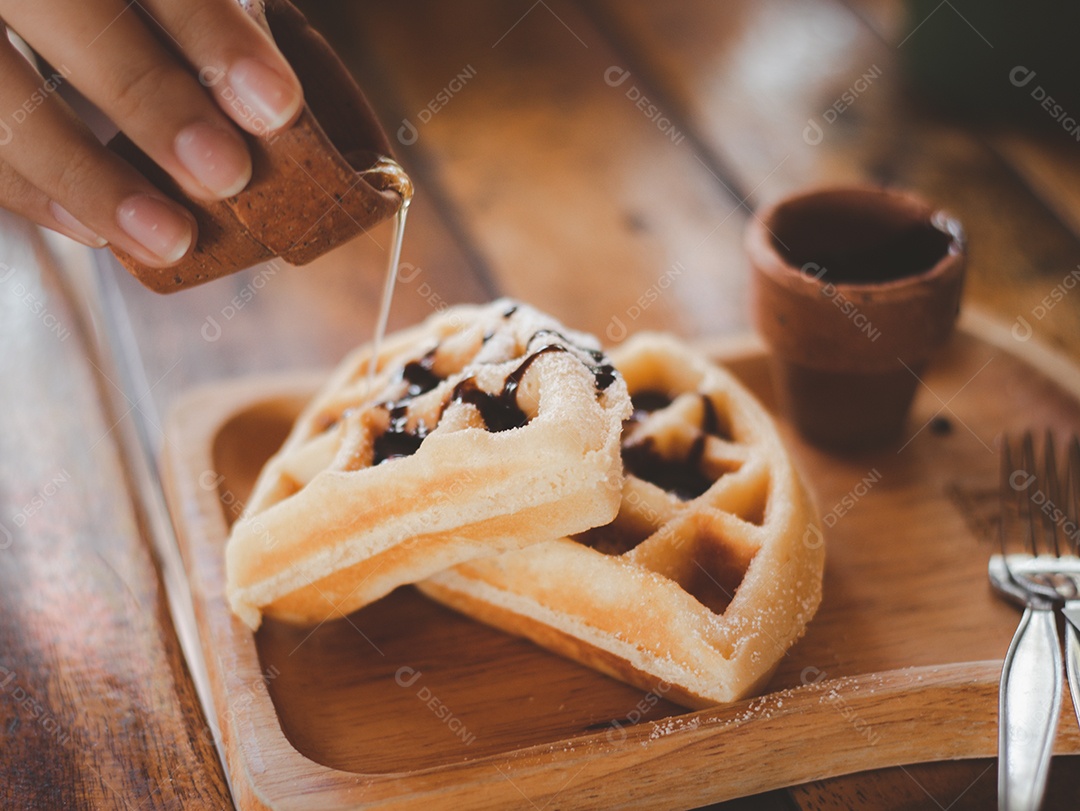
(1029,701)
(1056,498)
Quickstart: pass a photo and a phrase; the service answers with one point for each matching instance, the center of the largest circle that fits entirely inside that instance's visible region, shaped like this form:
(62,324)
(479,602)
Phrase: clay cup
(853,290)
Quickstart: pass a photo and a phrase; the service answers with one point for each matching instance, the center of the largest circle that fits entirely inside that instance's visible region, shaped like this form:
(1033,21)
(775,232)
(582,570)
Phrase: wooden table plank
(1036,145)
(749,78)
(756,83)
(967,785)
(96,706)
(1050,165)
(579,201)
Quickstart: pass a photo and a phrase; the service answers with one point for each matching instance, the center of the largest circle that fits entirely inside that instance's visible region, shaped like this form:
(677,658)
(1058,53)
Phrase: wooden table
(572,155)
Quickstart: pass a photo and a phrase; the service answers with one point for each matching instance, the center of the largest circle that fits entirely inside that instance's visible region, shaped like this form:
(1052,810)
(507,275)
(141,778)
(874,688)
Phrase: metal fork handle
(1029,707)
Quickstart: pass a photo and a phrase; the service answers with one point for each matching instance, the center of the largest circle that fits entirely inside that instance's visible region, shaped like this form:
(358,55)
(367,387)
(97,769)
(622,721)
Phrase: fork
(1059,506)
(1067,579)
(1031,677)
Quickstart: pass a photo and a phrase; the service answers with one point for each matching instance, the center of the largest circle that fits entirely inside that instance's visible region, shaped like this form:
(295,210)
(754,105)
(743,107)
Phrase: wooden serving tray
(406,703)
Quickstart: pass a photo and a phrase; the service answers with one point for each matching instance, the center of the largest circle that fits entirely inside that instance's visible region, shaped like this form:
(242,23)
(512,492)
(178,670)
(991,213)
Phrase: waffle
(484,429)
(710,571)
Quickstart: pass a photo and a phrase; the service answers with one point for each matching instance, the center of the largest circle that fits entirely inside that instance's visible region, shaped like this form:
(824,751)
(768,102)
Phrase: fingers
(21,197)
(235,59)
(144,89)
(178,77)
(58,156)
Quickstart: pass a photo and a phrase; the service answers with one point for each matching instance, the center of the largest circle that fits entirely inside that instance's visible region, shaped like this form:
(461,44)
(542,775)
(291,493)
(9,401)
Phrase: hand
(177,76)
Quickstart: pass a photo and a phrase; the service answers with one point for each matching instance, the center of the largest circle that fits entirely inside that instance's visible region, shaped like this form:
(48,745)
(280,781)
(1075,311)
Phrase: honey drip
(385,174)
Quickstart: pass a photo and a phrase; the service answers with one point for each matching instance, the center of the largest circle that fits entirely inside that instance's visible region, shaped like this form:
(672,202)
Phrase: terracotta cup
(853,290)
(314,186)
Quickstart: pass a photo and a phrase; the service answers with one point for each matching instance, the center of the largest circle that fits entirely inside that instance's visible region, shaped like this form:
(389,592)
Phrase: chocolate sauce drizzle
(420,375)
(646,402)
(500,411)
(397,440)
(682,477)
(711,423)
(600,368)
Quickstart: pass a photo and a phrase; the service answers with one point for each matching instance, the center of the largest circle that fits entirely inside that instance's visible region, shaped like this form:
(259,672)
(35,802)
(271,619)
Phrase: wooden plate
(405,702)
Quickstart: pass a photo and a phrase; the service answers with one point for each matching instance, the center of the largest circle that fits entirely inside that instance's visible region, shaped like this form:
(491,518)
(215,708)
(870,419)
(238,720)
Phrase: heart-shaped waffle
(710,571)
(484,429)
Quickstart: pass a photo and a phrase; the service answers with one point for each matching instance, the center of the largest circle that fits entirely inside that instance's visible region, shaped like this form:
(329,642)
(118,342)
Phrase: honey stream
(388,174)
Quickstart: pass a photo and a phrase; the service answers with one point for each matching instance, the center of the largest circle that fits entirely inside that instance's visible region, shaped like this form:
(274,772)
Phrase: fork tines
(1043,499)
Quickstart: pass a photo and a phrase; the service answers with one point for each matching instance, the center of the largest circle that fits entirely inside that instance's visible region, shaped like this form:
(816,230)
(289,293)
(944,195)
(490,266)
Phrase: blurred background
(600,159)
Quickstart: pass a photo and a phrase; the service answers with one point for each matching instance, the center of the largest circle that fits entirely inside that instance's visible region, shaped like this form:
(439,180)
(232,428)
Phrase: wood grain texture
(96,707)
(1050,167)
(900,665)
(581,202)
(969,785)
(753,79)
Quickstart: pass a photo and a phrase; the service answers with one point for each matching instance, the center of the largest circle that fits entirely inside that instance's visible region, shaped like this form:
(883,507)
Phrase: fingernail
(216,158)
(75,229)
(156,226)
(269,100)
